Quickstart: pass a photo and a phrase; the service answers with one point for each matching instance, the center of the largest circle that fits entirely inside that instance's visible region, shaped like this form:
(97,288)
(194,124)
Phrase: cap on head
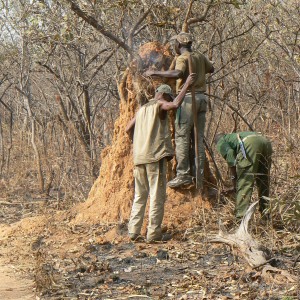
(166,89)
(183,38)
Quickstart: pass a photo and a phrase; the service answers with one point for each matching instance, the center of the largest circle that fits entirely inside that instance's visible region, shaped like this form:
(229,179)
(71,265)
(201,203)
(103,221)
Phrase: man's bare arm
(167,74)
(164,105)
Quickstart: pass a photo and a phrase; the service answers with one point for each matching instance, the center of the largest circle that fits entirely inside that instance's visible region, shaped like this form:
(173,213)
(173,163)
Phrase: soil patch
(109,266)
(84,261)
(14,285)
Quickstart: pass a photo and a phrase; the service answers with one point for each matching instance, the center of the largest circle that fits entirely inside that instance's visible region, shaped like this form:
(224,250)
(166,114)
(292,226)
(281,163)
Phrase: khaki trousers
(150,180)
(183,128)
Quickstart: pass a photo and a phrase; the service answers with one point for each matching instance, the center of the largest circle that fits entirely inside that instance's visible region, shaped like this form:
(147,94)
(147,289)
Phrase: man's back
(201,66)
(152,139)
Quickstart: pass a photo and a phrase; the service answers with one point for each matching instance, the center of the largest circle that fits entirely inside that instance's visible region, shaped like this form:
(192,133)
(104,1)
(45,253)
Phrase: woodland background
(71,79)
(63,62)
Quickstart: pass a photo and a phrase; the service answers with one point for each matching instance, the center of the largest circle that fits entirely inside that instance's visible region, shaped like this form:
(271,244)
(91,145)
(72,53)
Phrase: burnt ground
(175,270)
(190,269)
(187,267)
(99,262)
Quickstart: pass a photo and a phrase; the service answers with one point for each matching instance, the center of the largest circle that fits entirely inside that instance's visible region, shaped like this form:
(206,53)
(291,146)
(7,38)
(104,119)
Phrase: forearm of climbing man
(164,105)
(166,74)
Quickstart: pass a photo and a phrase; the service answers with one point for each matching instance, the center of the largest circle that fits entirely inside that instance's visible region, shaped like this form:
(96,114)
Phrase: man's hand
(228,191)
(191,79)
(130,128)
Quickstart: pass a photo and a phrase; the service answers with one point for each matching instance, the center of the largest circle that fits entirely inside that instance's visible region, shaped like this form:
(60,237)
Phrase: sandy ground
(99,262)
(12,285)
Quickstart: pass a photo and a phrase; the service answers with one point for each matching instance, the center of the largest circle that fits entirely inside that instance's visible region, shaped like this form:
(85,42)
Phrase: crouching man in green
(248,155)
(152,148)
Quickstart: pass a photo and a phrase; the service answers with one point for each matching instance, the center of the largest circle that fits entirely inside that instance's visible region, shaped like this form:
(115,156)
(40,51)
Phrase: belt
(196,92)
(248,136)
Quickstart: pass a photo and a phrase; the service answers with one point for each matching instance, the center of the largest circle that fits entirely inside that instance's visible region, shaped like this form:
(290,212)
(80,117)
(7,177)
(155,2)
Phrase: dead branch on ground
(255,254)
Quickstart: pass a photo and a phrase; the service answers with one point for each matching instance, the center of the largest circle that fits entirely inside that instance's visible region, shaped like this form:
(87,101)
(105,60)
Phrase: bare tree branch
(93,22)
(190,21)
(233,108)
(134,28)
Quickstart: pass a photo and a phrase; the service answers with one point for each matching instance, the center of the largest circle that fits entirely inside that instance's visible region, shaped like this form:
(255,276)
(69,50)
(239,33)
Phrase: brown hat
(166,89)
(183,38)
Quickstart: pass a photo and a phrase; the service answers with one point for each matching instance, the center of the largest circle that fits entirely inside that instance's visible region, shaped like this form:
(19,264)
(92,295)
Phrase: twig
(233,109)
(10,203)
(140,296)
(218,173)
(296,260)
(266,262)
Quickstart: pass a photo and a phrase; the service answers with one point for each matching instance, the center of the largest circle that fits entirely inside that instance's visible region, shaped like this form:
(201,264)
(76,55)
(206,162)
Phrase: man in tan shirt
(152,148)
(184,120)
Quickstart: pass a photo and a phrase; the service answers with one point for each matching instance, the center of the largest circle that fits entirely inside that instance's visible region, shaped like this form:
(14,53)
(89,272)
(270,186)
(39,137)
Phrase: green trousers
(183,128)
(150,180)
(256,169)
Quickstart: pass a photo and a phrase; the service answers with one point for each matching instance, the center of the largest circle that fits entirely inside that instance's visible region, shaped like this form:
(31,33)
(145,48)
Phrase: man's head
(165,91)
(218,136)
(182,39)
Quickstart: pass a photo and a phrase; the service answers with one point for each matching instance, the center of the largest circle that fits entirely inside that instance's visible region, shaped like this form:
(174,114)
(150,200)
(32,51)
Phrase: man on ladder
(188,117)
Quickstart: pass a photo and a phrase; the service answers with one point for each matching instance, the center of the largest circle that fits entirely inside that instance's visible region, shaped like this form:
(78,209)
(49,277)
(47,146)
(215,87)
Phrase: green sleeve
(227,152)
(230,157)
